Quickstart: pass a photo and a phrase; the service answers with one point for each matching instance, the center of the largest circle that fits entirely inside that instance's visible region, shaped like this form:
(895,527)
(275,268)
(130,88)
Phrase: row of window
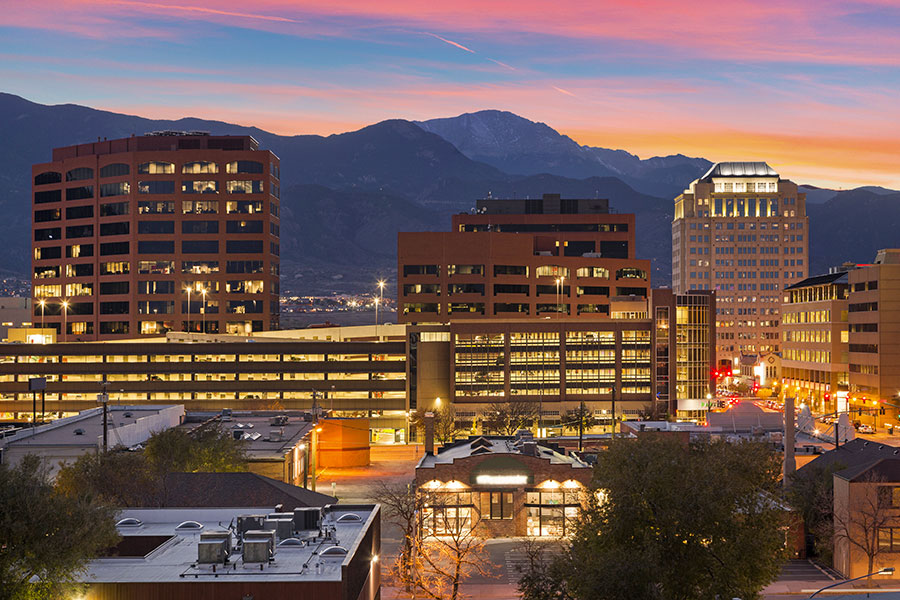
(251,286)
(151,247)
(150,168)
(519,270)
(413,289)
(144,306)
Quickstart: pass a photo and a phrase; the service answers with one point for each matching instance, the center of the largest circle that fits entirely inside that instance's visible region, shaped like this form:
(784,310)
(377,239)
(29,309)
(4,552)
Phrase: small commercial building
(866,509)
(64,440)
(501,487)
(330,553)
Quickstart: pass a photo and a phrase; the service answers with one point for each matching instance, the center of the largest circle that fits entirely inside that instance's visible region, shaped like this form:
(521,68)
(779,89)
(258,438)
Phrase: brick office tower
(164,232)
(742,231)
(543,258)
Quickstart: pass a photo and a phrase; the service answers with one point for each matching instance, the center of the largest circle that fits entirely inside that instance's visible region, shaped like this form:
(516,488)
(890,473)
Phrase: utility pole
(103,397)
(35,385)
(314,445)
(614,411)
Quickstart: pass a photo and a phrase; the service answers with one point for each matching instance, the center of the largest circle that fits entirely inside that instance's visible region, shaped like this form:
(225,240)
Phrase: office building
(815,335)
(873,313)
(625,368)
(186,553)
(742,231)
(14,313)
(163,232)
(532,259)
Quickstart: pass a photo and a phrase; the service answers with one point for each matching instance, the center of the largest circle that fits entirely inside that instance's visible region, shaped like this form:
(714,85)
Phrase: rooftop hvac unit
(266,536)
(276,435)
(249,522)
(211,552)
(280,515)
(214,536)
(279,421)
(257,551)
(307,518)
(283,528)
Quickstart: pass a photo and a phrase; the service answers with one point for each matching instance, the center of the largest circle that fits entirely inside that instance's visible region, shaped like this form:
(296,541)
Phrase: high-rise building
(742,231)
(546,257)
(164,232)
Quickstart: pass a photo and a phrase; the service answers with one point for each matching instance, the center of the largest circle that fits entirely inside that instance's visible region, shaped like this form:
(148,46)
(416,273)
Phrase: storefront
(501,487)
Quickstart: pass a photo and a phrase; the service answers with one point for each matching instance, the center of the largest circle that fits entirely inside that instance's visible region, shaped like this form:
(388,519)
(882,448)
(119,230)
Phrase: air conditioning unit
(211,552)
(266,536)
(256,551)
(283,527)
(217,536)
(307,518)
(249,522)
(276,435)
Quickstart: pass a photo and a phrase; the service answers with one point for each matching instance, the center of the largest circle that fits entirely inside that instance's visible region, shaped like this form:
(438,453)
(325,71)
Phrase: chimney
(790,463)
(529,448)
(429,433)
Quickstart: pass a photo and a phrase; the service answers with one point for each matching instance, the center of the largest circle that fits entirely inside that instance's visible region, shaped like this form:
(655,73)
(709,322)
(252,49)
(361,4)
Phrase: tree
(46,538)
(810,491)
(581,415)
(674,521)
(508,417)
(442,562)
(446,425)
(402,507)
(541,578)
(126,478)
(858,520)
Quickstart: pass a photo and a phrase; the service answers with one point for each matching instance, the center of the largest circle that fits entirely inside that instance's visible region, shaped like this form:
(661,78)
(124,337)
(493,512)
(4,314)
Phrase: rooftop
(237,489)
(269,434)
(128,425)
(839,277)
(159,141)
(853,454)
(496,445)
(168,554)
(739,169)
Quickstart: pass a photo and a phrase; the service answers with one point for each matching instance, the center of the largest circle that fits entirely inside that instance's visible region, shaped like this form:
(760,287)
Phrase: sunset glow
(808,87)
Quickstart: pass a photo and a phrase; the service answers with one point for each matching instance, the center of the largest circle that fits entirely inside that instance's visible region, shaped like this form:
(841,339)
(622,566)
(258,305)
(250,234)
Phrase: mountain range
(345,196)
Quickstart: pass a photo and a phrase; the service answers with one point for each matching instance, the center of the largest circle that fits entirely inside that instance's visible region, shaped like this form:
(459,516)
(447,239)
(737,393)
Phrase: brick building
(548,257)
(501,486)
(164,232)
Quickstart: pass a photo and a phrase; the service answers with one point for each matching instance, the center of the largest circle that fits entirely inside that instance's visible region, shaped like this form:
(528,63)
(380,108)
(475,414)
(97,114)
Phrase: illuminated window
(156,168)
(244,166)
(253,186)
(200,167)
(199,187)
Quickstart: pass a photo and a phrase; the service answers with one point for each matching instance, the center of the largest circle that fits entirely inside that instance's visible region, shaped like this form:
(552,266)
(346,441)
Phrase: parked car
(866,429)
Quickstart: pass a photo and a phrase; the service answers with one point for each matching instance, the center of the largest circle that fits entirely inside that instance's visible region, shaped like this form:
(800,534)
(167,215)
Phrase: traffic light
(882,410)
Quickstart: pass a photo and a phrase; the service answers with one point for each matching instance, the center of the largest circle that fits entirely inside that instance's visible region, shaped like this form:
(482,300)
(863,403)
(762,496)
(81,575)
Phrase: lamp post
(884,571)
(203,308)
(188,290)
(65,307)
(376,301)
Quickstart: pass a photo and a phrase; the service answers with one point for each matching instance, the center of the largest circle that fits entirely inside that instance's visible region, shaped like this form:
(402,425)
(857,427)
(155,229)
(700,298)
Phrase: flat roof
(135,422)
(494,445)
(257,429)
(175,560)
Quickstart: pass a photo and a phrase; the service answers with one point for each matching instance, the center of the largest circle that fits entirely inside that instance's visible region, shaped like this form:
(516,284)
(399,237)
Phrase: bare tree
(448,551)
(446,424)
(402,507)
(858,521)
(510,416)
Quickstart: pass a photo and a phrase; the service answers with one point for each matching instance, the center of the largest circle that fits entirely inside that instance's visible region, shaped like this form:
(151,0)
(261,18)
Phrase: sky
(809,86)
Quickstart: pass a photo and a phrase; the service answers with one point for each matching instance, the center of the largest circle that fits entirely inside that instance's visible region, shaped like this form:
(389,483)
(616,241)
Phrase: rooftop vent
(348,518)
(129,522)
(188,526)
(128,415)
(290,543)
(79,431)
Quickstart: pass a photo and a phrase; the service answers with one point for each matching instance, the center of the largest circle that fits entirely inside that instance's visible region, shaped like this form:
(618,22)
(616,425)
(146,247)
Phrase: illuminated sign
(501,479)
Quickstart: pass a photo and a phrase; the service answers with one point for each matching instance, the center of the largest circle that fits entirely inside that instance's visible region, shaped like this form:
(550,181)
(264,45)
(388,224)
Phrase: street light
(203,308)
(65,307)
(188,290)
(883,571)
(377,302)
